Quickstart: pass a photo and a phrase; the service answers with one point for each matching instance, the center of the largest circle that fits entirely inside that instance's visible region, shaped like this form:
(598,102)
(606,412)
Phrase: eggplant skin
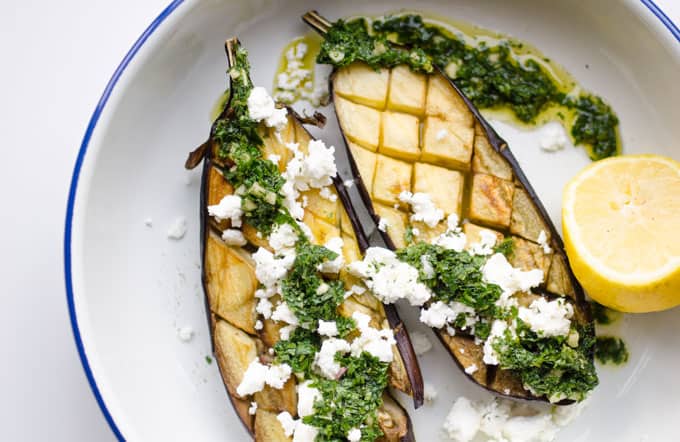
(229,284)
(455,156)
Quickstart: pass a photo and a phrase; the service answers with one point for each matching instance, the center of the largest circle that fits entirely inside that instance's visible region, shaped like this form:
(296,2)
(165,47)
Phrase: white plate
(130,288)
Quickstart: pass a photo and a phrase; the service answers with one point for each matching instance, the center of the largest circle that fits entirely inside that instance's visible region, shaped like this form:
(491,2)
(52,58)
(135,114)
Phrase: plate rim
(73,187)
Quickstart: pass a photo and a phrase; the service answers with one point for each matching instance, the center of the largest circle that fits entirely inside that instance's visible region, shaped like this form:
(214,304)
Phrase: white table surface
(56,59)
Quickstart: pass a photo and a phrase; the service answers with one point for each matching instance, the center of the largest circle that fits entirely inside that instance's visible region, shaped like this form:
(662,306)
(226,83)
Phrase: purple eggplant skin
(500,146)
(204,153)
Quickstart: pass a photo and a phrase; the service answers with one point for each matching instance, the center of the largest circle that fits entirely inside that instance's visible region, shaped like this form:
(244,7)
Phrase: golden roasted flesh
(414,132)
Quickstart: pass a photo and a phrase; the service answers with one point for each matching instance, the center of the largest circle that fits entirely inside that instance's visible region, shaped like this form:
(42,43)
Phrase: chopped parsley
(490,76)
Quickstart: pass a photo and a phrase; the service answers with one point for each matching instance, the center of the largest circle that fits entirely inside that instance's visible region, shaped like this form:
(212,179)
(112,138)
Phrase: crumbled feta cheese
(383,224)
(548,318)
(253,379)
(283,236)
(327,328)
(306,397)
(287,422)
(286,331)
(258,374)
(253,408)
(354,435)
(423,208)
(258,325)
(148,222)
(186,333)
(178,228)
(389,278)
(283,313)
(421,343)
(274,158)
(543,242)
(264,307)
(486,243)
(304,432)
(277,375)
(270,268)
(234,237)
(471,369)
(463,421)
(553,138)
(261,107)
(441,135)
(505,420)
(498,329)
(373,341)
(290,202)
(229,208)
(429,392)
(314,170)
(438,314)
(335,245)
(453,238)
(324,360)
(326,193)
(497,270)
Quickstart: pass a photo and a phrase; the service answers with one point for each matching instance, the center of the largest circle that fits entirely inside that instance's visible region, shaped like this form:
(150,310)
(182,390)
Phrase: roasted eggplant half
(410,131)
(242,334)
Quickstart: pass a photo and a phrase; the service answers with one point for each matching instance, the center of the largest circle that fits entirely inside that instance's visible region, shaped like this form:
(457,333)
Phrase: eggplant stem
(230,46)
(317,22)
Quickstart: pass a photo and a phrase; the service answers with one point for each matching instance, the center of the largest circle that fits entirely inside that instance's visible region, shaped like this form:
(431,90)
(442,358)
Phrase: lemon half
(621,223)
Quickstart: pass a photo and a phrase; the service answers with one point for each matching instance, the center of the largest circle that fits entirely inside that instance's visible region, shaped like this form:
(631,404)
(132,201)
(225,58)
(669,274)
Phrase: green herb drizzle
(546,365)
(488,75)
(353,400)
(611,350)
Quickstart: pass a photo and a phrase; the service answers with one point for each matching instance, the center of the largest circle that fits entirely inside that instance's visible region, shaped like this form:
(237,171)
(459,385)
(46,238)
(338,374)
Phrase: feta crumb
(373,341)
(234,237)
(258,374)
(261,107)
(287,422)
(359,290)
(314,170)
(439,314)
(498,329)
(548,318)
(304,432)
(253,408)
(178,228)
(441,135)
(383,224)
(258,325)
(285,314)
(389,278)
(421,343)
(553,138)
(264,307)
(543,242)
(354,435)
(471,369)
(228,208)
(282,237)
(286,331)
(274,158)
(306,397)
(327,328)
(497,270)
(270,268)
(487,241)
(277,375)
(453,238)
(148,222)
(463,421)
(185,334)
(423,208)
(348,183)
(428,270)
(324,360)
(326,193)
(429,392)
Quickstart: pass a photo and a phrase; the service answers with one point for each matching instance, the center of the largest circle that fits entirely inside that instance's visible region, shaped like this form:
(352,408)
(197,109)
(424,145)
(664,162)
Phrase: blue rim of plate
(653,8)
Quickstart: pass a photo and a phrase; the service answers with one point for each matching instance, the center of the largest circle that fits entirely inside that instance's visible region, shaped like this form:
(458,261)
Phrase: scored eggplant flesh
(229,282)
(409,131)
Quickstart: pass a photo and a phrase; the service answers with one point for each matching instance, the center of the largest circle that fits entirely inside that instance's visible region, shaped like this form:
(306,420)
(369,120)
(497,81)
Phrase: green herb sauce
(491,76)
(546,365)
(604,315)
(611,350)
(353,400)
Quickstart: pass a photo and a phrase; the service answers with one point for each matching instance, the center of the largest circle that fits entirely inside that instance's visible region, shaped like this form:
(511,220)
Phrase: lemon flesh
(621,222)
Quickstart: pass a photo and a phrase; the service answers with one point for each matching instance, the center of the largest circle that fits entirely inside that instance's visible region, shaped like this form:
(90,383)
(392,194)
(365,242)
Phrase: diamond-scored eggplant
(411,130)
(230,283)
